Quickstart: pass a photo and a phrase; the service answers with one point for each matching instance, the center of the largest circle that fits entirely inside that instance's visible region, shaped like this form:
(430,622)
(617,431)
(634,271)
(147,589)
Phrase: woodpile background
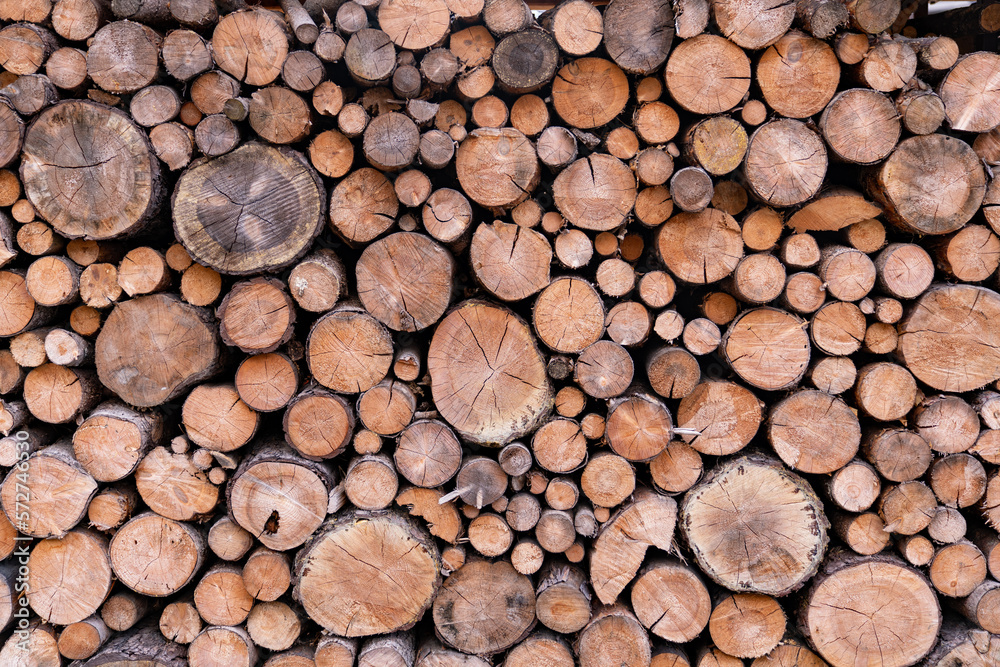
(435,333)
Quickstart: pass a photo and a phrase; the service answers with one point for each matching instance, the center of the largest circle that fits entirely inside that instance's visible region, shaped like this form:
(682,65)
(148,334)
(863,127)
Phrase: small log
(747,625)
(772,151)
(922,111)
(898,455)
(907,508)
(821,18)
(671,600)
(872,16)
(149,569)
(799,86)
(363,206)
(333,651)
(251,45)
(462,332)
(266,574)
(510,261)
(540,648)
(708,74)
(279,496)
(947,423)
(855,487)
(185,54)
(228,540)
(370,482)
(180,622)
(928,327)
(905,270)
(416,292)
(220,596)
(967,107)
(814,432)
(69,577)
(848,274)
(173,487)
(716,144)
(428,453)
(479,162)
(124,57)
(216,644)
(613,636)
(864,533)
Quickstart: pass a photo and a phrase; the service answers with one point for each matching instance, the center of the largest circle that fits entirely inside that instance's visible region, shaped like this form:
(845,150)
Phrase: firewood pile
(443,333)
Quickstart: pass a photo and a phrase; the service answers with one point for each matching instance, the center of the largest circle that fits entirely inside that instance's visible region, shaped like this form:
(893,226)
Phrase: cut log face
(595,193)
(764,549)
(480,353)
(69,577)
(525,61)
(589,92)
(638,427)
(708,74)
(907,184)
(510,261)
(814,432)
(279,497)
(173,487)
(497,168)
(785,163)
(638,34)
(156,556)
(364,575)
(251,45)
(768,348)
(753,25)
(60,491)
(363,206)
(878,597)
(969,93)
(239,220)
(484,608)
(153,348)
(671,600)
(349,351)
(948,339)
(852,140)
(701,247)
(101,148)
(798,75)
(725,415)
(404,280)
(428,453)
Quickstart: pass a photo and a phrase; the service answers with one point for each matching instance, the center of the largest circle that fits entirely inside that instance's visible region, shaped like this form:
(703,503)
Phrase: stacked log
(431,333)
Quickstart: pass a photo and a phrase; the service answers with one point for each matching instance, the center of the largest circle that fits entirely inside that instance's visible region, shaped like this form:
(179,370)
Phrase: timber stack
(448,333)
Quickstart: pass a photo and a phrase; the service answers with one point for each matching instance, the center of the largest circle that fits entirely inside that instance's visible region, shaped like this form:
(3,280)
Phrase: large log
(355,550)
(745,558)
(259,219)
(496,351)
(94,146)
